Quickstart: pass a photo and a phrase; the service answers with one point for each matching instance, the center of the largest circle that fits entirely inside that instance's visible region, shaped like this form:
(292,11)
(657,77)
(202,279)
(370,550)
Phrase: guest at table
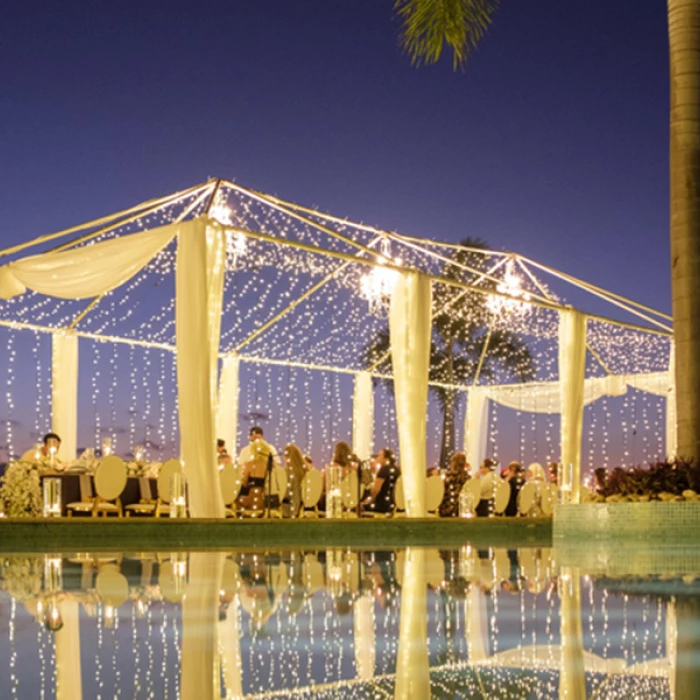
(456,477)
(487,474)
(553,472)
(381,498)
(222,455)
(515,478)
(536,473)
(255,469)
(249,451)
(342,458)
(294,465)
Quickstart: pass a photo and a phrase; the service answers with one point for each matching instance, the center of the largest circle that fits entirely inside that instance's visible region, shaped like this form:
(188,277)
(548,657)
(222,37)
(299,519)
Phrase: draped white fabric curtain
(572,373)
(227,409)
(545,397)
(200,670)
(64,392)
(198,293)
(412,663)
(476,625)
(363,416)
(69,685)
(230,651)
(410,330)
(572,675)
(476,425)
(87,271)
(365,645)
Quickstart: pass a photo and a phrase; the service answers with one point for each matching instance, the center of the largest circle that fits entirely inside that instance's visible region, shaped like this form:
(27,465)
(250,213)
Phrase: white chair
(170,467)
(434,491)
(276,485)
(349,492)
(311,490)
(471,494)
(147,504)
(110,480)
(527,498)
(549,498)
(501,496)
(86,504)
(231,479)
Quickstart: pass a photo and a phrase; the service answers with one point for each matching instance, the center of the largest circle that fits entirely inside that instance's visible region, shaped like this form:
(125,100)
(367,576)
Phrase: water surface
(342,623)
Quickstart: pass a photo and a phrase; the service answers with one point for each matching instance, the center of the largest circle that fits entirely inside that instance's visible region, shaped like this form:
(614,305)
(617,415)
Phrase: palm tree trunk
(684,42)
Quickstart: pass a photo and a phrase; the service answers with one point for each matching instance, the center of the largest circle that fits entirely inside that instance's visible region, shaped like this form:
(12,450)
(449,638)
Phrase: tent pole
(99,298)
(295,303)
(143,208)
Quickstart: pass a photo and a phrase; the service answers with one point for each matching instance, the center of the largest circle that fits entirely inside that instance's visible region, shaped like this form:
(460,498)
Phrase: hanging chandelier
(236,244)
(378,284)
(516,297)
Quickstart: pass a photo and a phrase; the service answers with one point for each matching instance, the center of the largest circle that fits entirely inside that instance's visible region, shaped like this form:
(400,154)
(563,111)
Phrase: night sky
(552,143)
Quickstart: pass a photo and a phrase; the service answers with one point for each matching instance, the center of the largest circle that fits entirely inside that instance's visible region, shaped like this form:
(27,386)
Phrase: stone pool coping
(149,534)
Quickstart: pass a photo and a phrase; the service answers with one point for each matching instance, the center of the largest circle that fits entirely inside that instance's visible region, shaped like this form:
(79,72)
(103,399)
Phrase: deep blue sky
(552,142)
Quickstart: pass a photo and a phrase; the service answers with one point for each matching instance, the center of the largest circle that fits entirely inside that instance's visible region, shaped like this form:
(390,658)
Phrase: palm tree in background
(465,344)
(430,26)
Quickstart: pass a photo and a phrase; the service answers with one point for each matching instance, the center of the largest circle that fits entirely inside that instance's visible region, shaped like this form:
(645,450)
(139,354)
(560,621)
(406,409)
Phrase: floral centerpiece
(21,489)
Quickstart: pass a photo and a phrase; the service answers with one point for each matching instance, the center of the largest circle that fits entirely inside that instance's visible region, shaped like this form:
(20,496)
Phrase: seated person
(487,475)
(222,455)
(342,457)
(515,479)
(381,498)
(247,453)
(457,475)
(294,465)
(255,469)
(44,457)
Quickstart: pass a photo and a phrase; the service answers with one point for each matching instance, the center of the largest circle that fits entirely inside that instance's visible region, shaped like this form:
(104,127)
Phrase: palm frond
(427,26)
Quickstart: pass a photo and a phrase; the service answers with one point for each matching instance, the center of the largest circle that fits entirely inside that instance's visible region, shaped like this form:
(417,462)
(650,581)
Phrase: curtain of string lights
(303,309)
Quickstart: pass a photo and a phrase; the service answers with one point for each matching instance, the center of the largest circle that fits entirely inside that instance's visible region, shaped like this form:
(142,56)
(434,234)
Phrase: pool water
(342,623)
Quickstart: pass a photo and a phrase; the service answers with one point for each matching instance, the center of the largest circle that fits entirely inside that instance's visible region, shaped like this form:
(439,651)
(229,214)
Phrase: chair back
(111,585)
(434,491)
(349,490)
(169,468)
(527,497)
(87,493)
(110,478)
(278,482)
(549,498)
(145,489)
(472,487)
(399,498)
(311,488)
(501,493)
(231,478)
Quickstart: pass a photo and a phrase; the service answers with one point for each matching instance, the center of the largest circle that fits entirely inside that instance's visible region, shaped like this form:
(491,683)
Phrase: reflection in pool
(340,623)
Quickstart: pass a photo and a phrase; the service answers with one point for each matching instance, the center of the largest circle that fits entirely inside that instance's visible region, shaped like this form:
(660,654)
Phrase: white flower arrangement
(22,576)
(21,490)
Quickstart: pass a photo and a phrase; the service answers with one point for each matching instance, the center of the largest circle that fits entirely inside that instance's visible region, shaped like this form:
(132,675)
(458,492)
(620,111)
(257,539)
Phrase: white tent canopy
(210,237)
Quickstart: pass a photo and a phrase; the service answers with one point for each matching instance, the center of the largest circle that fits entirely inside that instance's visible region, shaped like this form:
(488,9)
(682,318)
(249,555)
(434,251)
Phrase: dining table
(70,488)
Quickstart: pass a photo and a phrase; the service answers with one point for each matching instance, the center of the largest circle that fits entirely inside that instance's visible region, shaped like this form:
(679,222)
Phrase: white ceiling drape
(87,271)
